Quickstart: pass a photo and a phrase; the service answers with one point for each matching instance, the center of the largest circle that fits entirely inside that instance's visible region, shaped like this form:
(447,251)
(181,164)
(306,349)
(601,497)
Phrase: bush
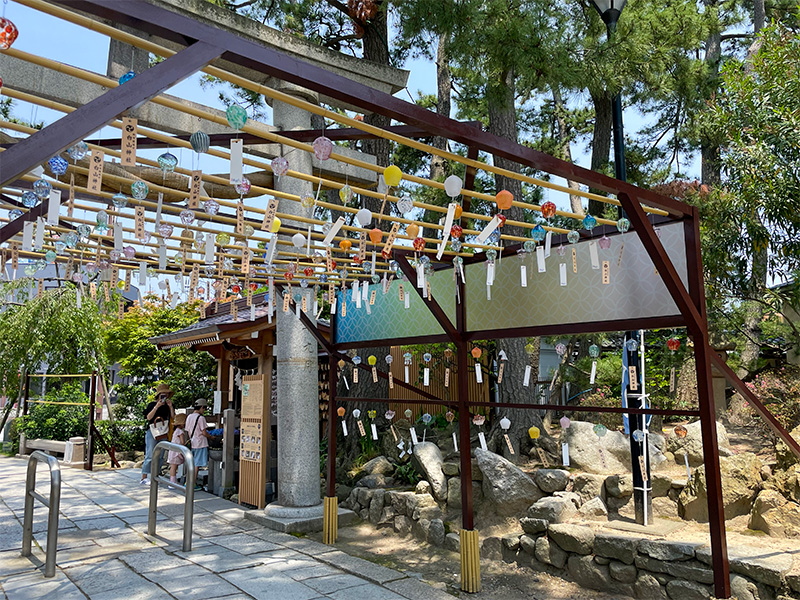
(57,421)
(125,436)
(603,397)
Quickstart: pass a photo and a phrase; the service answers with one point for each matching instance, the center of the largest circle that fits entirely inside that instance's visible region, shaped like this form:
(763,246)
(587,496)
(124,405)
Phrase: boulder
(742,589)
(594,510)
(667,551)
(775,515)
(427,460)
(648,588)
(660,484)
(549,553)
(553,509)
(619,547)
(622,572)
(741,477)
(451,469)
(786,457)
(379,465)
(511,541)
(387,517)
(551,480)
(587,573)
(664,507)
(506,485)
(376,506)
(608,454)
(419,529)
(588,486)
(452,541)
(692,444)
(678,589)
(402,525)
(768,566)
(372,482)
(619,486)
(492,548)
(533,526)
(528,544)
(422,487)
(572,538)
(454,492)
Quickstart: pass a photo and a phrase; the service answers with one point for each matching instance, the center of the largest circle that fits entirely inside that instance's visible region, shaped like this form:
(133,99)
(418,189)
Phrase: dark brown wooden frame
(204,43)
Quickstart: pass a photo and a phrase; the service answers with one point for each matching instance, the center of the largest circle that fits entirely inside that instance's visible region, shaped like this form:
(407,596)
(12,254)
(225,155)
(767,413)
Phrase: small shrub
(57,421)
(407,474)
(125,436)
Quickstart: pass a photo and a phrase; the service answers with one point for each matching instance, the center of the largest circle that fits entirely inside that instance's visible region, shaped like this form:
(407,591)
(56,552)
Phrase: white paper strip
(162,254)
(562,268)
(421,276)
(482,439)
(237,148)
(548,240)
(407,300)
(593,255)
(159,204)
(118,236)
(406,367)
(540,259)
(39,239)
(344,428)
(413,433)
(490,273)
(426,376)
(308,242)
(333,306)
(487,231)
(365,290)
(273,243)
(210,245)
(252,312)
(334,230)
(27,236)
(374,431)
(455,442)
(523,276)
(448,224)
(594,372)
(565,454)
(79,297)
(53,207)
(142,273)
(526,380)
(478,373)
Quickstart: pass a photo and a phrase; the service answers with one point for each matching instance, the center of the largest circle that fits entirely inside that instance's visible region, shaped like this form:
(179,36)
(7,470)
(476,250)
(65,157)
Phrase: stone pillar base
(294,519)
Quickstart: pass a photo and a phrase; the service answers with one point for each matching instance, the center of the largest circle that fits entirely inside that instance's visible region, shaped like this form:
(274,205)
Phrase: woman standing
(158,413)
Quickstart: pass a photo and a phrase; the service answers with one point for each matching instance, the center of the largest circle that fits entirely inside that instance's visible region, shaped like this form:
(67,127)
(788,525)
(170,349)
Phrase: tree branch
(733,36)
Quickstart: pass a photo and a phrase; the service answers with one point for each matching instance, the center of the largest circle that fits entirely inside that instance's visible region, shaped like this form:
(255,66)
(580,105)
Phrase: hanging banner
(53,207)
(129,126)
(195,185)
(95,183)
(237,149)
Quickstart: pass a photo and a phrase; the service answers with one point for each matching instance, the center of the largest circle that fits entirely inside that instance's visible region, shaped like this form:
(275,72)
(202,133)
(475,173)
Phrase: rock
(667,551)
(387,517)
(775,515)
(376,506)
(492,548)
(452,541)
(687,569)
(551,480)
(364,514)
(677,589)
(572,538)
(587,573)
(619,486)
(451,469)
(785,457)
(511,541)
(553,510)
(454,492)
(585,449)
(372,481)
(692,444)
(594,510)
(764,566)
(549,553)
(664,507)
(622,548)
(343,492)
(419,529)
(533,526)
(648,588)
(402,525)
(509,489)
(622,572)
(742,589)
(624,507)
(422,487)
(601,560)
(660,484)
(741,475)
(379,465)
(528,544)
(588,486)
(427,512)
(572,496)
(427,460)
(415,503)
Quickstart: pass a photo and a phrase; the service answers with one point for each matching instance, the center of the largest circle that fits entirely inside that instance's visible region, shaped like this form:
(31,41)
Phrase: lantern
(276,224)
(200,141)
(505,423)
(372,360)
(8,33)
(681,431)
(452,186)
(280,166)
(405,205)
(242,186)
(623,225)
(589,222)
(459,211)
(392,175)
(565,422)
(236,116)
(504,199)
(298,240)
(345,194)
(604,242)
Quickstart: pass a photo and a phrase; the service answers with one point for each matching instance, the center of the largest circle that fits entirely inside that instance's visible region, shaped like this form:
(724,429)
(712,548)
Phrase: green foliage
(407,474)
(48,329)
(125,436)
(604,397)
(779,390)
(57,421)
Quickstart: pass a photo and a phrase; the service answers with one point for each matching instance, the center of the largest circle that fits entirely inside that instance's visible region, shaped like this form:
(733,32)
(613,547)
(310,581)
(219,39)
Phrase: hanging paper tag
(688,469)
(159,206)
(71,199)
(344,428)
(672,379)
(114,275)
(362,245)
(39,239)
(574,261)
(594,372)
(455,442)
(394,433)
(593,255)
(162,255)
(500,371)
(95,183)
(643,468)
(487,231)
(39,287)
(619,258)
(401,293)
(540,259)
(478,373)
(634,384)
(240,218)
(426,375)
(355,374)
(606,272)
(27,236)
(448,224)
(548,241)
(14,258)
(245,260)
(562,273)
(543,458)
(139,223)
(334,230)
(526,379)
(304,302)
(387,248)
(447,377)
(269,215)
(482,440)
(413,433)
(237,149)
(490,273)
(202,310)
(406,370)
(344,305)
(391,381)
(128,148)
(93,291)
(286,302)
(407,300)
(121,309)
(565,454)
(79,297)
(142,273)
(127,280)
(372,297)
(194,189)
(106,292)
(374,431)
(508,443)
(361,427)
(523,275)
(53,207)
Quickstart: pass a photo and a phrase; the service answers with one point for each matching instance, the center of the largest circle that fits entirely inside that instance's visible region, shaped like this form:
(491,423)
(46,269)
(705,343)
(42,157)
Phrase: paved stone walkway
(105,554)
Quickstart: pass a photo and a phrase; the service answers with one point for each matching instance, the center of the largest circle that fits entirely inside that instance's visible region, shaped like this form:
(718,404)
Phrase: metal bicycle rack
(187,490)
(52,504)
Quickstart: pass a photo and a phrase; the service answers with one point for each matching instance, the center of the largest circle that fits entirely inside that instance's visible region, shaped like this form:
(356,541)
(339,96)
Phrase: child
(196,426)
(178,437)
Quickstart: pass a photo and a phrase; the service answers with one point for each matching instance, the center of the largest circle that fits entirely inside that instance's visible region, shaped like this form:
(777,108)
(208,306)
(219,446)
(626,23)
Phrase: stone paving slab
(366,592)
(33,586)
(413,588)
(263,583)
(359,566)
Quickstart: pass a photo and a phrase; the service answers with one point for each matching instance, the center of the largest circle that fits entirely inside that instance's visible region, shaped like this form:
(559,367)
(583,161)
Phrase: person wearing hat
(157,413)
(197,428)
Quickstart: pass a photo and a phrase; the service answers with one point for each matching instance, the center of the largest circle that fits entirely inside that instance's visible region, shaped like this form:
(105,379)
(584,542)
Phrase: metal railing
(188,490)
(51,503)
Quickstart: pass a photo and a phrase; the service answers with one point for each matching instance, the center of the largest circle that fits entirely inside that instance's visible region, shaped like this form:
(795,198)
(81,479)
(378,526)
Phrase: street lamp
(609,11)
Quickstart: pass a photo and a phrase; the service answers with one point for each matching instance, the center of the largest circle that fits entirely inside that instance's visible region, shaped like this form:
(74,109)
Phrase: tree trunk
(759,15)
(601,141)
(377,50)
(564,146)
(444,86)
(709,152)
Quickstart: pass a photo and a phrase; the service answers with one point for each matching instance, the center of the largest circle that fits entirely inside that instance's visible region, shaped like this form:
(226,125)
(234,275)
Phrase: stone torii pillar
(296,354)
